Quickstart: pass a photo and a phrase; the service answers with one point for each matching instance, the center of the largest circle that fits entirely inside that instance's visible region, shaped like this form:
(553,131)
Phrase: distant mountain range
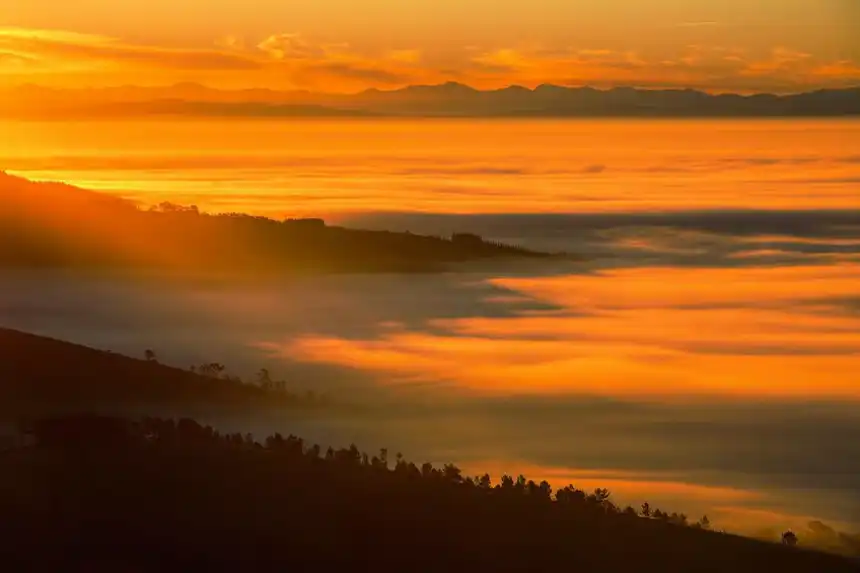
(444,100)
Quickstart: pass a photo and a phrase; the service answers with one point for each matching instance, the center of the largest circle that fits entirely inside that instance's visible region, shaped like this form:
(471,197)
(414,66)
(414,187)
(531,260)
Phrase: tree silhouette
(264,379)
(149,356)
(646,509)
(452,473)
(212,369)
(545,489)
(789,538)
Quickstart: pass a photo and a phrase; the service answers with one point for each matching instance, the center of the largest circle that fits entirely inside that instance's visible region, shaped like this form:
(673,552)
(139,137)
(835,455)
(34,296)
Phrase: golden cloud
(711,68)
(281,61)
(636,333)
(292,60)
(51,51)
(292,47)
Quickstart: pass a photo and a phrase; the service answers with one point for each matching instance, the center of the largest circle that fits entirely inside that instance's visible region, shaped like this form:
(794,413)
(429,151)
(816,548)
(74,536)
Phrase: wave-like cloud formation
(760,332)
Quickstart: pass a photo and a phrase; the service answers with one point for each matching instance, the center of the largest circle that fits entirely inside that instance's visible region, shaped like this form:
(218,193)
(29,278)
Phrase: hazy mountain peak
(445,99)
(548,87)
(514,88)
(448,87)
(190,86)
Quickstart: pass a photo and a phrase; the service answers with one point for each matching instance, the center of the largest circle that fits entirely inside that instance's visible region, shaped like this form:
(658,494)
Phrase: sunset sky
(703,346)
(341,46)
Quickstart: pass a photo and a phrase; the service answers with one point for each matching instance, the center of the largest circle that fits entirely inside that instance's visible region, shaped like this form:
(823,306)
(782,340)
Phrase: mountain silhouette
(450,99)
(51,225)
(41,376)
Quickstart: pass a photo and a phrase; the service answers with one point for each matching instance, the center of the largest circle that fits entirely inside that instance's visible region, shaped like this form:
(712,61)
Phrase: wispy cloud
(713,68)
(290,59)
(62,51)
(282,60)
(699,24)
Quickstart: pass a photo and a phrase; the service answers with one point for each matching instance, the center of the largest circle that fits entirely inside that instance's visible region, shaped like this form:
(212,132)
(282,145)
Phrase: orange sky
(339,45)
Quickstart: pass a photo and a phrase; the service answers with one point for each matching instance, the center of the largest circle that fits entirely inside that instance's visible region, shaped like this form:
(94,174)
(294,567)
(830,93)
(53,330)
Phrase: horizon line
(449,84)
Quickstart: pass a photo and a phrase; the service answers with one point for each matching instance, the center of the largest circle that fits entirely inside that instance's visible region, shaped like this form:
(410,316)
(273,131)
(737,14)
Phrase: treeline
(52,225)
(160,495)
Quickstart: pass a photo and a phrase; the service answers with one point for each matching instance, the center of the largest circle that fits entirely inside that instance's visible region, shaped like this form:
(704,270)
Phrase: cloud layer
(650,332)
(290,60)
(342,168)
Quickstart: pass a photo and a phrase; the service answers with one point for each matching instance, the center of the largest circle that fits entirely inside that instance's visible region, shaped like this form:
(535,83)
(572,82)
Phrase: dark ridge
(59,226)
(39,375)
(458,100)
(101,493)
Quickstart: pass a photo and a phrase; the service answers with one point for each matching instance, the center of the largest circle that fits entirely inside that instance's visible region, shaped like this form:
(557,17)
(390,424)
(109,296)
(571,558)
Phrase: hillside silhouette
(56,225)
(103,493)
(155,494)
(451,99)
(40,376)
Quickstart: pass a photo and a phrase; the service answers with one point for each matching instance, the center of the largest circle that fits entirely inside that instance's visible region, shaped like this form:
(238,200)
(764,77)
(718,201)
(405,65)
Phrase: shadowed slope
(55,225)
(159,495)
(39,375)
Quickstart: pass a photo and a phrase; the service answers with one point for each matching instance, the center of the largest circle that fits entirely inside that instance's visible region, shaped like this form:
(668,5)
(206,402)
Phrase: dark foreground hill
(104,494)
(40,375)
(60,226)
(96,493)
